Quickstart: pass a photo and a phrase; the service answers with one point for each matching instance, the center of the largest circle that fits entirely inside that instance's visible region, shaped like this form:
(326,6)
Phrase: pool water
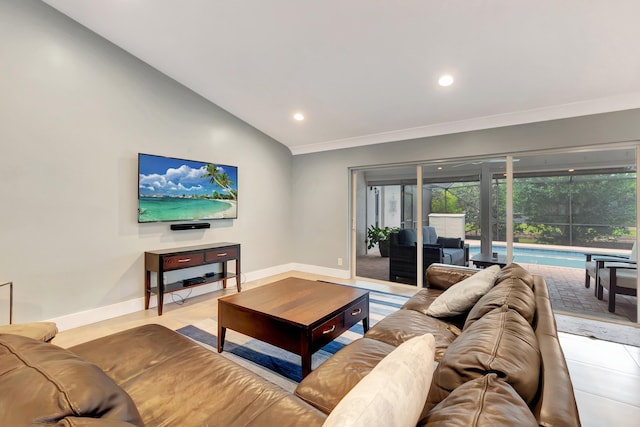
(552,257)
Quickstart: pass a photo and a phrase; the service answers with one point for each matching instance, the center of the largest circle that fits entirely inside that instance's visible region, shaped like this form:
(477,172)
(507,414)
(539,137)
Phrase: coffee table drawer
(328,330)
(356,313)
(182,261)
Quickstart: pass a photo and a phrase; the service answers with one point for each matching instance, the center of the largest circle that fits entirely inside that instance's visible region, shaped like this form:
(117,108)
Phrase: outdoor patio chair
(591,264)
(619,278)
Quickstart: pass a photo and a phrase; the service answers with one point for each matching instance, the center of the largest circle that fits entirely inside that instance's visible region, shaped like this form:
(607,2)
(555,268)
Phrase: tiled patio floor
(566,289)
(568,294)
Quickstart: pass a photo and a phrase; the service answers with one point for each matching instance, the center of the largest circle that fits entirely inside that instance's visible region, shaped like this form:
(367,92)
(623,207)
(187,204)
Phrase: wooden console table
(186,257)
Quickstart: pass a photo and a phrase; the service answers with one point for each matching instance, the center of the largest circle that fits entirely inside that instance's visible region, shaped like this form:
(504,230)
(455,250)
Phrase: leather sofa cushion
(41,383)
(485,401)
(43,331)
(176,382)
(421,300)
(515,271)
(501,342)
(326,385)
(393,393)
(91,422)
(510,291)
(403,325)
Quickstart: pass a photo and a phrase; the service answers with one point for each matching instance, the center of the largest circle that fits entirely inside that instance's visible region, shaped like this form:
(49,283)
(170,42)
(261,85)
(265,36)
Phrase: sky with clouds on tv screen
(165,176)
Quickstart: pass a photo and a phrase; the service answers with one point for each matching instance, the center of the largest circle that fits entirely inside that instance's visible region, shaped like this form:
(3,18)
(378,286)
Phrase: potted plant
(380,236)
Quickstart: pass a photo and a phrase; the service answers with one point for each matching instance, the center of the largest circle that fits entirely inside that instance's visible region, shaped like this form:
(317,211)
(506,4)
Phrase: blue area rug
(277,365)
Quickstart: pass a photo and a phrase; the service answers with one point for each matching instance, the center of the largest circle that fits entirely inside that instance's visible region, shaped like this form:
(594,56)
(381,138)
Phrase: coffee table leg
(221,333)
(365,324)
(306,361)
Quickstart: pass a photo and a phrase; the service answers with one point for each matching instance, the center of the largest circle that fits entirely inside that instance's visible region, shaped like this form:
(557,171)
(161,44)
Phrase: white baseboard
(82,318)
(324,271)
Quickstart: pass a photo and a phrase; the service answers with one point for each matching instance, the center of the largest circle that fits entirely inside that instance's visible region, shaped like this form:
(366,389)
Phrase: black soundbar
(190,226)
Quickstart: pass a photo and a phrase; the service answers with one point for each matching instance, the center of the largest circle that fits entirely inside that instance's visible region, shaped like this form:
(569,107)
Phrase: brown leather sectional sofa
(500,364)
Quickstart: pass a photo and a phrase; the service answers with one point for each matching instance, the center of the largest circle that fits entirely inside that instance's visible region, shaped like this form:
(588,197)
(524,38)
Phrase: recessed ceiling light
(571,170)
(298,116)
(439,168)
(445,80)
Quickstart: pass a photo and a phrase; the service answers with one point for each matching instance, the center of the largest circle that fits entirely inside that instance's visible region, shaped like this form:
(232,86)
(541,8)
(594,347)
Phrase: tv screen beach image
(171,189)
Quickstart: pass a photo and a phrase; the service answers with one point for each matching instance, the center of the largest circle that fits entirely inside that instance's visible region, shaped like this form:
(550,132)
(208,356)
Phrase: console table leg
(160,293)
(238,284)
(147,288)
(224,274)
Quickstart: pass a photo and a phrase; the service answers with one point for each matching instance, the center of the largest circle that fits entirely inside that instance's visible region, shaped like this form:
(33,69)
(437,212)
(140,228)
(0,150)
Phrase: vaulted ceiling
(366,71)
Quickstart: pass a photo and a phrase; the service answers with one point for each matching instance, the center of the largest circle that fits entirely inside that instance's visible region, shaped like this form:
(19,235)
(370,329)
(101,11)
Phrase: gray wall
(321,190)
(75,112)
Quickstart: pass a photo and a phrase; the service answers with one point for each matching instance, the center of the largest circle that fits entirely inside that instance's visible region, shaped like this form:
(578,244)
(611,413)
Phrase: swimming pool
(553,257)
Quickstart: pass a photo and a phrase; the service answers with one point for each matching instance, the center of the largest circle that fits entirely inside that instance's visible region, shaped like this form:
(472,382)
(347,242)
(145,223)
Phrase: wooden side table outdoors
(484,260)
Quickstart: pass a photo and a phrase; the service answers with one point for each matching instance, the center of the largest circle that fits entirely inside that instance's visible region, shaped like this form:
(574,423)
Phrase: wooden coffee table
(297,315)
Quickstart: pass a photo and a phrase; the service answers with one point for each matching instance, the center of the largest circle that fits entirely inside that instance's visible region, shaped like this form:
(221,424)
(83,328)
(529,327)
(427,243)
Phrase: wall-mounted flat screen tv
(171,189)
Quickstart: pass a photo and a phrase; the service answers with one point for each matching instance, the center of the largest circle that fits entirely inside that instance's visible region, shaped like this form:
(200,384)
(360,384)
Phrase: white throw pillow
(394,392)
(459,298)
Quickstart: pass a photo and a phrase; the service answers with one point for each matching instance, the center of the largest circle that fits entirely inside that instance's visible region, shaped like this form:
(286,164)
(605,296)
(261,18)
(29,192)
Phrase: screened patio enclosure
(578,201)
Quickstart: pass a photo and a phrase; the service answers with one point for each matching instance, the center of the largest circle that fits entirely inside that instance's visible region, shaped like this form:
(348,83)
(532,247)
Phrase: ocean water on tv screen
(181,209)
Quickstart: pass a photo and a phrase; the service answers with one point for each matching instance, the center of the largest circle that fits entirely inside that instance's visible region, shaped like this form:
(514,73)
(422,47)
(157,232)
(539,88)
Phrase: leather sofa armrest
(443,276)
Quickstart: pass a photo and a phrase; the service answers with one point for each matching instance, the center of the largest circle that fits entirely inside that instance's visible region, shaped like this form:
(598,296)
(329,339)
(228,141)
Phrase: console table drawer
(182,261)
(221,254)
(356,313)
(328,330)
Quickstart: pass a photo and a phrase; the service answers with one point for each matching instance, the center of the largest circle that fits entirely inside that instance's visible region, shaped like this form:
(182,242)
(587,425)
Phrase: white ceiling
(365,71)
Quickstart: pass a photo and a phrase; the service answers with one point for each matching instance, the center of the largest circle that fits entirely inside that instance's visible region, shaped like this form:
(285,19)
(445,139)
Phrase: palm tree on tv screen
(216,176)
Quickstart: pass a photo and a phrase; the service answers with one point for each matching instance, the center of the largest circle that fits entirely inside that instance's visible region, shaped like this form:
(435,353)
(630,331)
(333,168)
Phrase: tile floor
(605,375)
(606,380)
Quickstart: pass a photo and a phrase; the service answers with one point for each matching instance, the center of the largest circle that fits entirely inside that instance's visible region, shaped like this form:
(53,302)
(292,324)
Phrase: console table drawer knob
(331,329)
(356,312)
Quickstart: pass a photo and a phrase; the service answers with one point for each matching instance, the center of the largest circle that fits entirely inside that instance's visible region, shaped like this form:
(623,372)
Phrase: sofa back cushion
(459,298)
(325,386)
(510,291)
(429,235)
(485,401)
(407,237)
(501,342)
(515,271)
(41,383)
(450,242)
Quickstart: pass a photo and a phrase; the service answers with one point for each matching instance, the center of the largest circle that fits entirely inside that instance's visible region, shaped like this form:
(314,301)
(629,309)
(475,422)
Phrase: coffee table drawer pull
(184,260)
(331,329)
(356,312)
